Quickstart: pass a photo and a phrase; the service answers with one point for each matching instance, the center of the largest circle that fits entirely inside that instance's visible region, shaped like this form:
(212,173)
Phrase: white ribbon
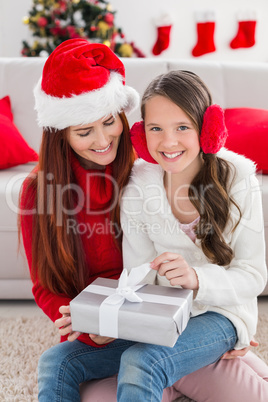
(128,284)
(126,290)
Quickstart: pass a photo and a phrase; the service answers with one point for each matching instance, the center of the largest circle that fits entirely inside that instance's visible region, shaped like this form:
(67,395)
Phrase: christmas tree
(54,21)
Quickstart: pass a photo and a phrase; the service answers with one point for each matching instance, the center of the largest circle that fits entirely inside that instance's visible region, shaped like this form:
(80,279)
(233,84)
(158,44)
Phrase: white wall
(12,29)
(135,17)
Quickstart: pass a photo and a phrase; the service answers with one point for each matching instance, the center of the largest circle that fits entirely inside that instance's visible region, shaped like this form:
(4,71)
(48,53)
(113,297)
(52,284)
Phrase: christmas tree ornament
(39,7)
(205,26)
(245,36)
(107,43)
(35,45)
(126,50)
(103,28)
(78,19)
(109,19)
(42,22)
(97,88)
(25,20)
(43,53)
(164,25)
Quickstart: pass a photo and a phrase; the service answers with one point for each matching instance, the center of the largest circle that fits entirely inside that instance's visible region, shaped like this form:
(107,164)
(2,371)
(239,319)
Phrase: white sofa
(231,84)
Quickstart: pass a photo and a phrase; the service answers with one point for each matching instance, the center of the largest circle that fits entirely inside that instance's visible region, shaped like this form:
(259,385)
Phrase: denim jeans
(144,369)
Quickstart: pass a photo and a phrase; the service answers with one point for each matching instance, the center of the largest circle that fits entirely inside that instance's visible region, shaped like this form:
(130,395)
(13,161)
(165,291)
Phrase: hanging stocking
(163,25)
(245,36)
(205,34)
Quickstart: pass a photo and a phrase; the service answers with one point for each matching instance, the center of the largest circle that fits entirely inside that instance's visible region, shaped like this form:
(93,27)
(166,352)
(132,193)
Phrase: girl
(195,213)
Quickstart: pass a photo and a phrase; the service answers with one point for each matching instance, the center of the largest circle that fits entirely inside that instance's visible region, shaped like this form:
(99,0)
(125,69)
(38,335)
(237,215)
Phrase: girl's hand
(176,270)
(233,354)
(65,324)
(100,340)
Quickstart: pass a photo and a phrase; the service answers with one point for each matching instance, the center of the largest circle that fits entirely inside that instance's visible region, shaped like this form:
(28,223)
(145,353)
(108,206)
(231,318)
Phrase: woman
(70,213)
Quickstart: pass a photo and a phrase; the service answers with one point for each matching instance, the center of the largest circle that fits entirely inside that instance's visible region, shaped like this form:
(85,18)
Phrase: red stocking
(245,36)
(163,35)
(205,35)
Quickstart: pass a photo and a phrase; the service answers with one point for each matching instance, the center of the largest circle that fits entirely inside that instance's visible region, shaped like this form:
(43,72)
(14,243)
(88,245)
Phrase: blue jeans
(144,369)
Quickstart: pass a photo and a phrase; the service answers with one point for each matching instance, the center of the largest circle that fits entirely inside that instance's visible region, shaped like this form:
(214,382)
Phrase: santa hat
(81,83)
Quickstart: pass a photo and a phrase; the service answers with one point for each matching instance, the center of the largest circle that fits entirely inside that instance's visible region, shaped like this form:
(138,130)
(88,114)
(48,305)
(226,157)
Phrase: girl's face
(98,141)
(172,139)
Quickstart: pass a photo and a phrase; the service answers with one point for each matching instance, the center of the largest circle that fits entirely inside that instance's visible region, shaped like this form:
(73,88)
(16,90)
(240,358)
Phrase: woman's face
(98,141)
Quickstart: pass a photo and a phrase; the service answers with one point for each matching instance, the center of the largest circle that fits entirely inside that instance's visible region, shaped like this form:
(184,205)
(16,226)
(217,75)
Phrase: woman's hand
(100,340)
(65,327)
(65,324)
(174,267)
(233,354)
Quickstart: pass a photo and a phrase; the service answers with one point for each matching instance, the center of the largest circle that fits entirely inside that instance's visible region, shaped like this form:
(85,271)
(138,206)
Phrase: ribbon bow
(128,284)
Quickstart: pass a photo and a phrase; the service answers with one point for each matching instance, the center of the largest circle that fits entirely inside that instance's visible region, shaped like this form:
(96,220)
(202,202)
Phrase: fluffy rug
(22,341)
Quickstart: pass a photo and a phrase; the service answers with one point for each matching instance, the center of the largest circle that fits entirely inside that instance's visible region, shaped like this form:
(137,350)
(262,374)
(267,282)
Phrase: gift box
(127,310)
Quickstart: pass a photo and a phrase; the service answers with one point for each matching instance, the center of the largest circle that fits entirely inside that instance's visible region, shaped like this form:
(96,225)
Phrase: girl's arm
(137,247)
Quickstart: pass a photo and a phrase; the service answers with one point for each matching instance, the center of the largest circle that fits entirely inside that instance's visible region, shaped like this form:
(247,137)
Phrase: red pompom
(138,139)
(214,132)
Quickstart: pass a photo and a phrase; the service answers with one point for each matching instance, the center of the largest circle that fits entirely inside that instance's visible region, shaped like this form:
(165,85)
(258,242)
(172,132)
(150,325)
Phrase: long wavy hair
(209,190)
(58,258)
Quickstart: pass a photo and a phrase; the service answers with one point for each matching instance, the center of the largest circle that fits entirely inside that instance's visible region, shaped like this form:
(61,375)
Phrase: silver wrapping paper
(147,322)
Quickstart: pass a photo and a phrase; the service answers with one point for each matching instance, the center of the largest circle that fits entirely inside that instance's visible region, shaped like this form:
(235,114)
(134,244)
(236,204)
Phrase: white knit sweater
(150,229)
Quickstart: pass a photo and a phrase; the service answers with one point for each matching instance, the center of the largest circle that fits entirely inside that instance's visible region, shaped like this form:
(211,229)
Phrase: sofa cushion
(248,134)
(14,149)
(13,265)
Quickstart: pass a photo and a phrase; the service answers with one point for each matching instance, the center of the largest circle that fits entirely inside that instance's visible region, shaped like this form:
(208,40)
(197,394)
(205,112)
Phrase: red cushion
(14,150)
(248,134)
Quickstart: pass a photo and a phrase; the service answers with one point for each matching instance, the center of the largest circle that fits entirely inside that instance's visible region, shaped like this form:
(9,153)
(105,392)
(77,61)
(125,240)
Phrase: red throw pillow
(14,150)
(248,134)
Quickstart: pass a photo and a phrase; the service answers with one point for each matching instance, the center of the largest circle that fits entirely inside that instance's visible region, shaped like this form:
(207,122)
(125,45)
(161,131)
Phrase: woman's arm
(46,300)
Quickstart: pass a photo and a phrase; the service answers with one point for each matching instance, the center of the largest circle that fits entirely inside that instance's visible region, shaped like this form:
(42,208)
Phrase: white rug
(23,340)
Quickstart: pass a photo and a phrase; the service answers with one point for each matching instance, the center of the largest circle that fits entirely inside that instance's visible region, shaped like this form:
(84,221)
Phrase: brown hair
(209,190)
(58,259)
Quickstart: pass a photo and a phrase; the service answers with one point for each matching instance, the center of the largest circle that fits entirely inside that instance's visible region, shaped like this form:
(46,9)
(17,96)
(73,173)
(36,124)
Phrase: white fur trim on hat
(85,108)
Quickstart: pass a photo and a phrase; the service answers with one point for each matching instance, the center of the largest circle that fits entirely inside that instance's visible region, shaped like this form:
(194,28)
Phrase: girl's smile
(172,156)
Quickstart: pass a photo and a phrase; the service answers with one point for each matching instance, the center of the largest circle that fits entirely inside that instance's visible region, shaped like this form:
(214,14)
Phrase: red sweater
(93,224)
